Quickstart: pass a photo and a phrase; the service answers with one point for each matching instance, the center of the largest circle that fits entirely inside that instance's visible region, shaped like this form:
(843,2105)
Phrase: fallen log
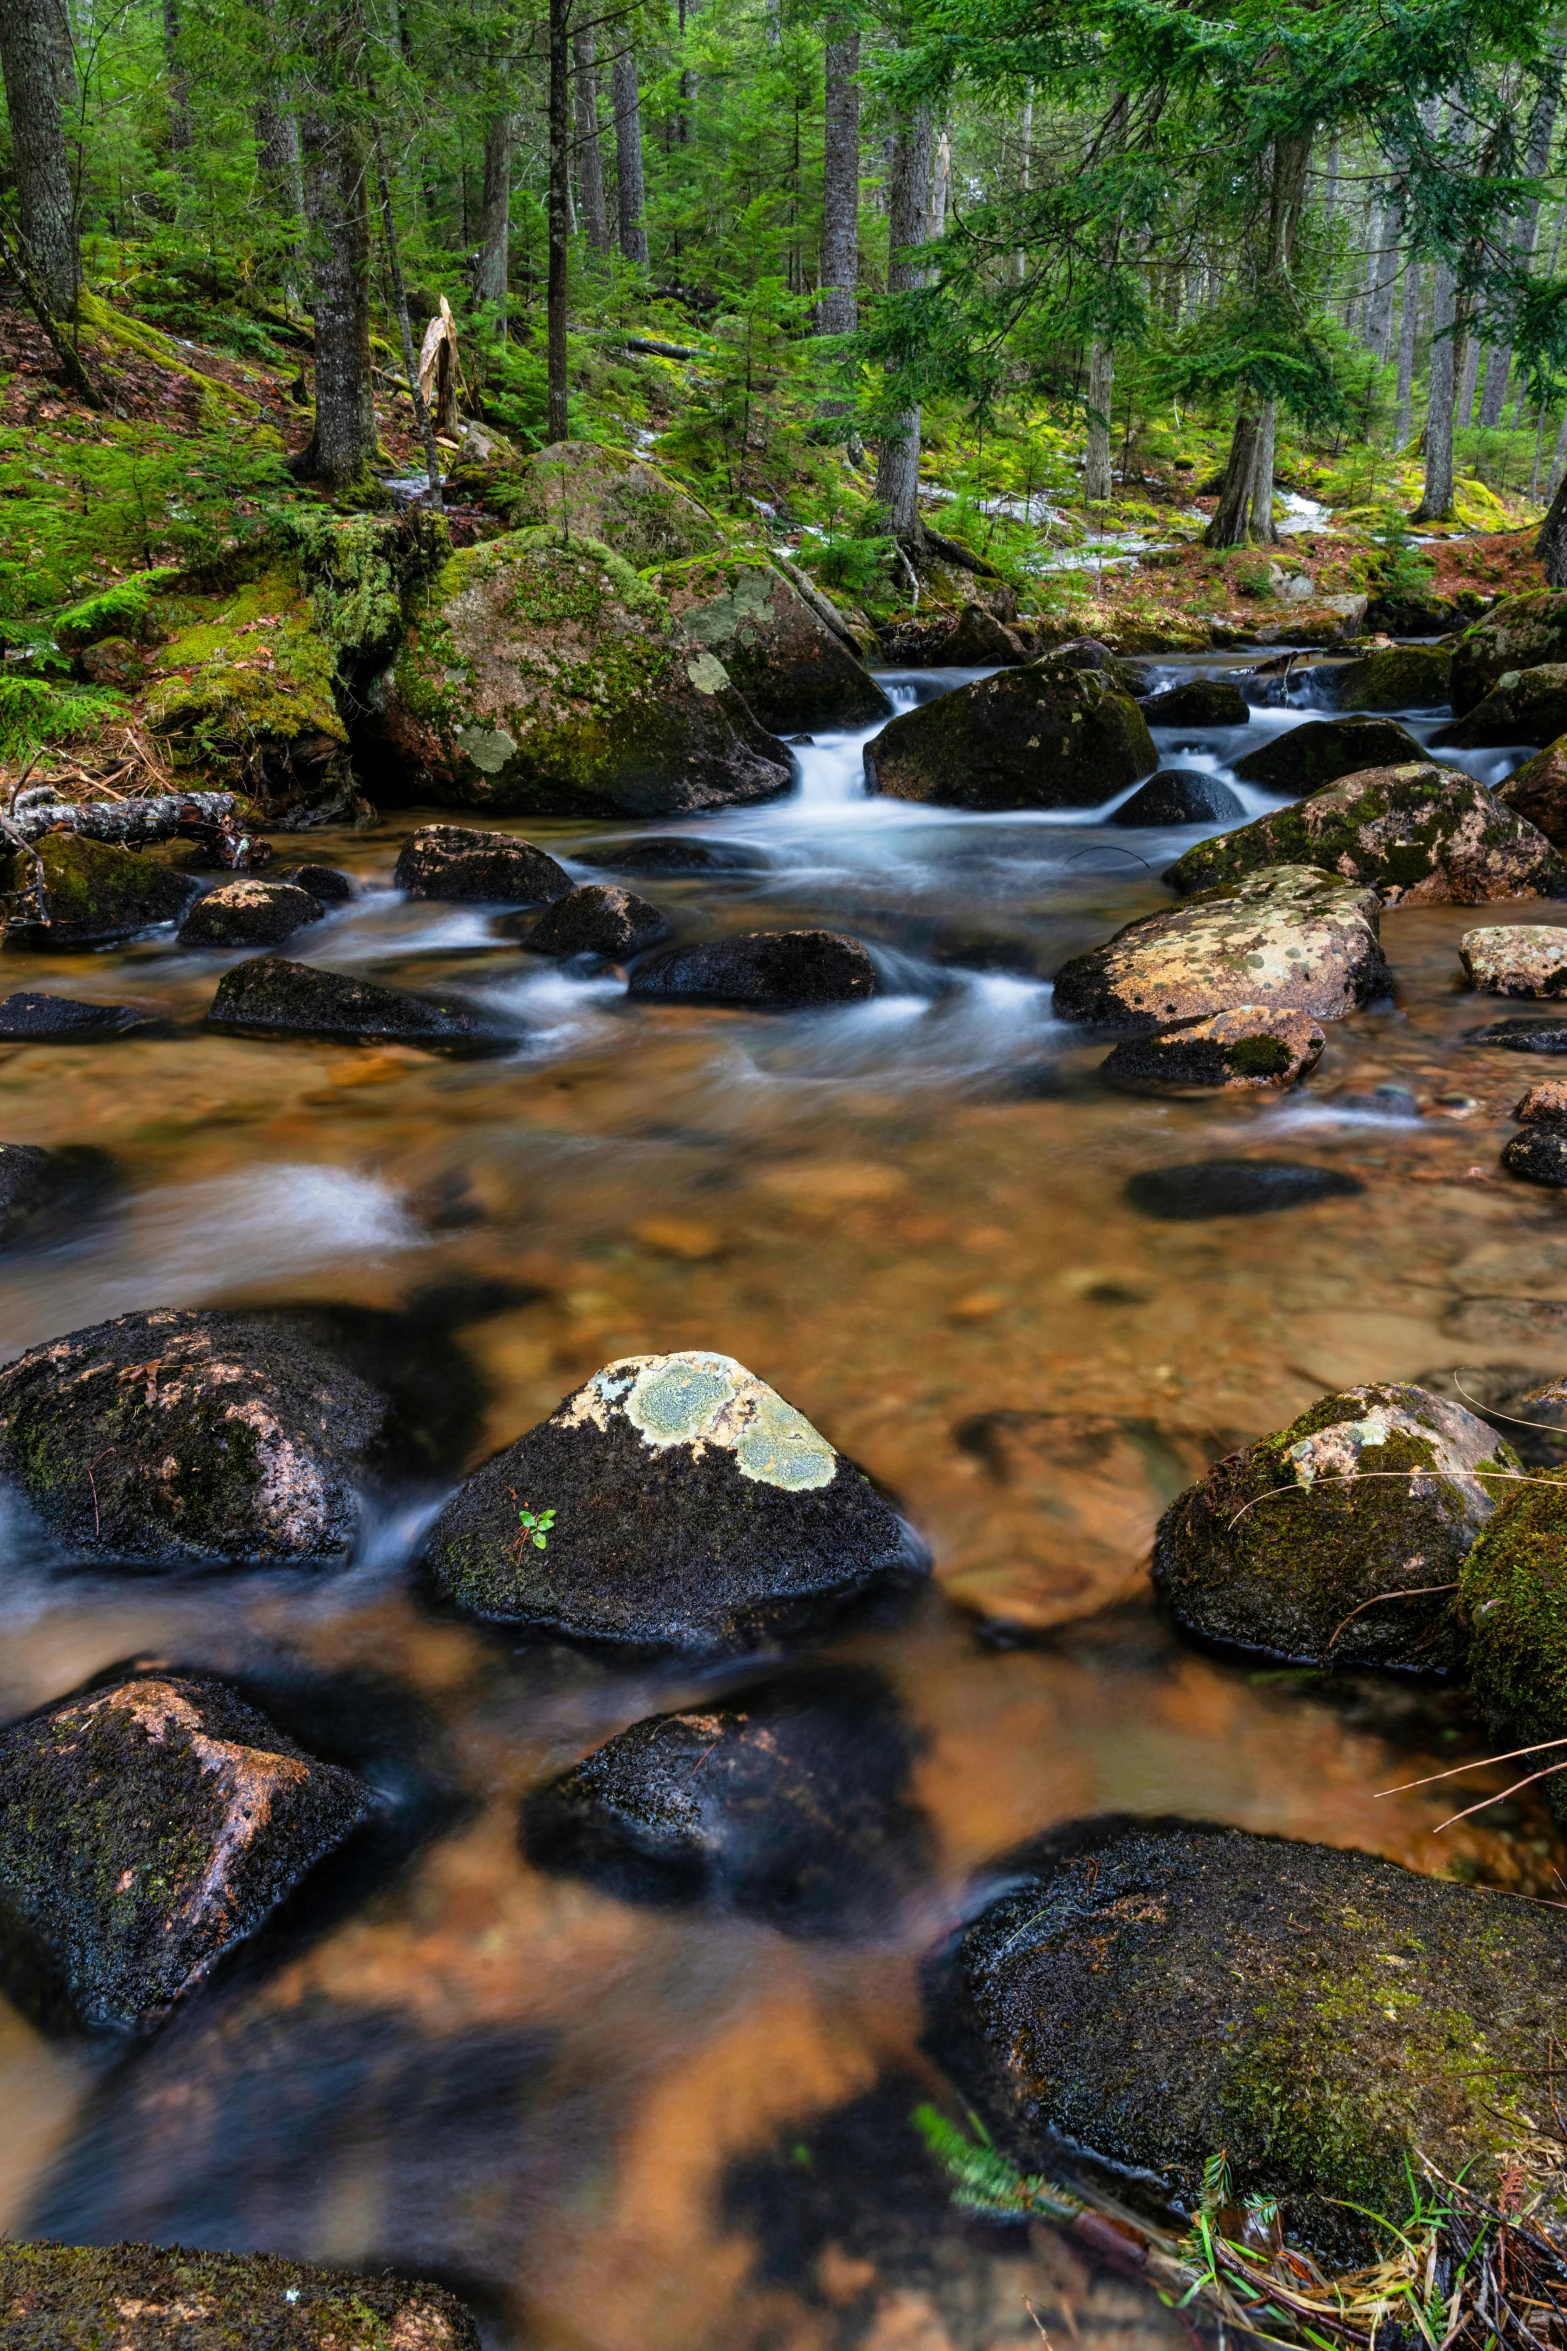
(162,816)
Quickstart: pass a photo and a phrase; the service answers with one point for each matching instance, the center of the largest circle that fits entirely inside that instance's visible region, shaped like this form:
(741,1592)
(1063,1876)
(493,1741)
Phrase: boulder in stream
(42,1188)
(771,971)
(1245,1050)
(1322,1542)
(793,670)
(675,1502)
(1516,959)
(94,893)
(1048,735)
(1524,706)
(181,1438)
(249,914)
(28,1018)
(1179,795)
(1161,1993)
(1542,1105)
(1513,1595)
(1519,632)
(977,640)
(327,884)
(145,1829)
(457,862)
(272,997)
(598,919)
(1305,758)
(1537,792)
(1198,702)
(1400,677)
(1419,835)
(1539,1156)
(1290,936)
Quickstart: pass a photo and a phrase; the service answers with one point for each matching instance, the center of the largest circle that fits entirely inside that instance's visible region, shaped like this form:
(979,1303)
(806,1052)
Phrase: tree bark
(1381,272)
(1101,391)
(908,210)
(837,312)
(1436,503)
(46,214)
(1228,527)
(629,192)
(590,146)
(491,276)
(557,423)
(1408,323)
(337,210)
(1263,527)
(1025,176)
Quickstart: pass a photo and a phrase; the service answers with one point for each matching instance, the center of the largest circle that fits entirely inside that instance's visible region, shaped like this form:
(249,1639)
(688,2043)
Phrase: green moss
(245,669)
(94,891)
(1258,1057)
(1513,1594)
(124,610)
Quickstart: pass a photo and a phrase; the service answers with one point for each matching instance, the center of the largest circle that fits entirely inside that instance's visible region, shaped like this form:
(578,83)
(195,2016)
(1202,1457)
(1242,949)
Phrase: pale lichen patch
(697,1399)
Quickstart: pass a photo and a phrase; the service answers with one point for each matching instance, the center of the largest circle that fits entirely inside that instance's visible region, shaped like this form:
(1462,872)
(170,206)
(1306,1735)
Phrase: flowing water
(624,2128)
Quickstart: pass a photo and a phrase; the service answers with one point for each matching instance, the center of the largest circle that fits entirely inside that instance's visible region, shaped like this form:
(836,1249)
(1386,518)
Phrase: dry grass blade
(1364,1477)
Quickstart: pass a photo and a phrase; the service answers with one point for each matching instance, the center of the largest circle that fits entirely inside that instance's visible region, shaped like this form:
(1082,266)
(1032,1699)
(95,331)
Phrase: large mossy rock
(1305,1545)
(145,1829)
(1047,735)
(1402,677)
(586,491)
(545,676)
(170,2298)
(1524,706)
(94,893)
(1419,835)
(179,1438)
(791,668)
(1519,632)
(1321,2017)
(688,1507)
(1289,936)
(272,997)
(1537,792)
(1306,758)
(1513,1595)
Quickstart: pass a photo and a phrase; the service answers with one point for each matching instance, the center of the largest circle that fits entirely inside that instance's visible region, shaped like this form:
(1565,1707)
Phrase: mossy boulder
(1047,735)
(543,675)
(585,491)
(249,914)
(789,1802)
(170,2298)
(1198,702)
(1402,677)
(1513,1594)
(187,1439)
(791,668)
(455,861)
(1288,936)
(1161,1994)
(145,1829)
(1537,792)
(1243,1051)
(599,919)
(674,1502)
(41,1188)
(273,997)
(1306,758)
(1179,795)
(1312,1544)
(1419,835)
(1519,632)
(94,893)
(1524,706)
(770,971)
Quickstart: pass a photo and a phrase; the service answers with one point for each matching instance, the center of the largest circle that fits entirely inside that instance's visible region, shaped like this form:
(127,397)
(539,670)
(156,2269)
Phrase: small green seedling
(534,1527)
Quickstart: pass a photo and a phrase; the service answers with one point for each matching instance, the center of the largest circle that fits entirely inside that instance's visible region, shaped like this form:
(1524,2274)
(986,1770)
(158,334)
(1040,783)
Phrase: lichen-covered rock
(1290,936)
(1517,959)
(272,997)
(1254,1046)
(1524,706)
(790,667)
(773,971)
(977,640)
(1419,835)
(169,2298)
(1519,632)
(1313,1543)
(146,1829)
(1544,1105)
(610,495)
(1539,1156)
(1513,1595)
(180,1437)
(1048,735)
(1537,792)
(455,861)
(1322,2017)
(40,1187)
(789,1802)
(674,1501)
(1179,795)
(1305,758)
(1401,677)
(1198,702)
(249,914)
(28,1018)
(598,920)
(544,675)
(94,893)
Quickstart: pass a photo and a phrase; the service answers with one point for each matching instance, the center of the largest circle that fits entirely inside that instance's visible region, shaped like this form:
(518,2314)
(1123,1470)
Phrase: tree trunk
(1263,527)
(45,212)
(1101,391)
(940,183)
(557,422)
(1498,360)
(394,266)
(179,82)
(1436,504)
(1408,323)
(837,312)
(1526,234)
(491,276)
(1551,545)
(337,211)
(1025,176)
(1245,494)
(1381,271)
(590,148)
(1228,527)
(1468,376)
(628,157)
(908,210)
(1330,182)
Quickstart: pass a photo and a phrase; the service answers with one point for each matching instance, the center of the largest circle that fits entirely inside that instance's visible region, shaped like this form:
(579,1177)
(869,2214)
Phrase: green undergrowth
(38,715)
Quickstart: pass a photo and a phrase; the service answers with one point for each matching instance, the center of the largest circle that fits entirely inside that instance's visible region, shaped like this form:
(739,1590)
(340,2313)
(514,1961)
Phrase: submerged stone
(1048,735)
(455,861)
(1305,758)
(181,1438)
(28,1018)
(598,920)
(1323,1542)
(145,1829)
(1402,677)
(94,893)
(674,1501)
(1517,959)
(1235,1187)
(1320,2016)
(775,971)
(1519,632)
(676,854)
(249,914)
(1179,795)
(1524,706)
(788,1802)
(40,1188)
(1198,702)
(272,997)
(1237,1051)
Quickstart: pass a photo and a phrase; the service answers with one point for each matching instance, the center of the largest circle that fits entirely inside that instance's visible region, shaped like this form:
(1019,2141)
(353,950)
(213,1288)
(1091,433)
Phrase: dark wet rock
(1419,835)
(1402,677)
(977,640)
(180,1437)
(1516,959)
(169,2298)
(675,854)
(28,1018)
(1537,792)
(1539,1156)
(1523,1036)
(788,1802)
(326,883)
(1519,632)
(1088,653)
(1240,1051)
(41,1188)
(1174,1990)
(1524,706)
(94,893)
(454,861)
(599,920)
(145,1829)
(1513,1595)
(1198,702)
(272,997)
(1049,735)
(249,914)
(792,669)
(689,1508)
(1290,937)
(1305,1545)
(776,971)
(1179,795)
(1305,758)
(1235,1187)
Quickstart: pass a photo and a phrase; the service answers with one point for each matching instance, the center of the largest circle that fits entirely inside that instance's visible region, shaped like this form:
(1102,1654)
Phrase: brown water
(655,2130)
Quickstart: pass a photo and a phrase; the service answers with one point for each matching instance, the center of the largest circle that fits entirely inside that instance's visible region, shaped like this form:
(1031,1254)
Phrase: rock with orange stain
(146,1829)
